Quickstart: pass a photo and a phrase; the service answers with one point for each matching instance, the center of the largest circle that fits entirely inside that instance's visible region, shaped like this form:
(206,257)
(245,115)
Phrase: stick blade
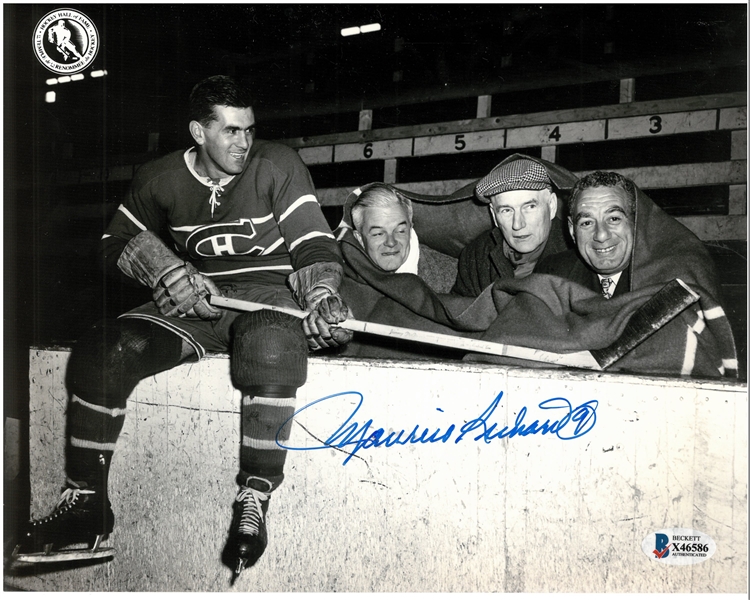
(663,306)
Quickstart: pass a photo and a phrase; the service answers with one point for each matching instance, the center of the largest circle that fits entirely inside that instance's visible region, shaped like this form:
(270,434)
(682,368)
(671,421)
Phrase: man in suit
(601,221)
(627,250)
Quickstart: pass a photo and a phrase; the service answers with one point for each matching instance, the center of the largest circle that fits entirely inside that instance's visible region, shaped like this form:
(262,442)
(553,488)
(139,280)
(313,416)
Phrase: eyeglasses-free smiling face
(225,143)
(602,228)
(524,217)
(385,236)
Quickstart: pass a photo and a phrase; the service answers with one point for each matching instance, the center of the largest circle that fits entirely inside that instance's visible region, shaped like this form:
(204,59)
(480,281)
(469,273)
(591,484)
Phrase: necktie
(607,283)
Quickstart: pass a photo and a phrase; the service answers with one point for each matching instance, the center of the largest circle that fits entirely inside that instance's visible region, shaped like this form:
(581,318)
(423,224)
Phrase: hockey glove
(179,289)
(316,289)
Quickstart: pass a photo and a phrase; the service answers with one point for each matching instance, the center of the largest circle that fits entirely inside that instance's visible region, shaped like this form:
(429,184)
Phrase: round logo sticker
(678,546)
(66,41)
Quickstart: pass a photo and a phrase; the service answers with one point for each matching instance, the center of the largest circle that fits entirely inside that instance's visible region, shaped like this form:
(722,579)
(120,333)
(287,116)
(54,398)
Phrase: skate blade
(241,562)
(63,556)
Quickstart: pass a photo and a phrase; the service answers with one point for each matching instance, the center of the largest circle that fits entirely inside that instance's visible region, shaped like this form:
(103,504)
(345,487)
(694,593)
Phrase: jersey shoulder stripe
(131,217)
(296,204)
(309,236)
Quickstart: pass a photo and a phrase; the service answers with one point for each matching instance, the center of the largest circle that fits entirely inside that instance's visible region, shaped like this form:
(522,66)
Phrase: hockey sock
(269,363)
(88,468)
(105,366)
(266,422)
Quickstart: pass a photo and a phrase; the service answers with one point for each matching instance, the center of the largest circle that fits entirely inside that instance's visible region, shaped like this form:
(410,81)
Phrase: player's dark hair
(219,90)
(602,179)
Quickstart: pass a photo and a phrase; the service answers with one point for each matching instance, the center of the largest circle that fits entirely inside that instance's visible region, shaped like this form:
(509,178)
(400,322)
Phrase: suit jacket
(483,262)
(569,265)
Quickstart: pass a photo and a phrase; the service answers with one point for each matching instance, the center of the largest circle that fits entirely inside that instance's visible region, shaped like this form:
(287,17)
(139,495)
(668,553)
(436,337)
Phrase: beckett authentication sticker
(678,546)
(66,41)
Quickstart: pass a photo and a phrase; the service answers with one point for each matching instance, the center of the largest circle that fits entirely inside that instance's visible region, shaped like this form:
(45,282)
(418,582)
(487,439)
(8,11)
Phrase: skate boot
(82,516)
(249,524)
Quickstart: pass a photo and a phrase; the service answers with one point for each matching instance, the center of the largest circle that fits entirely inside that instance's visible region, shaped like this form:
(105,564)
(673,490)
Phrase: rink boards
(418,477)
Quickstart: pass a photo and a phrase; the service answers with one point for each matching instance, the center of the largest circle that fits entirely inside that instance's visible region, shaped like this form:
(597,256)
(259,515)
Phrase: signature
(569,423)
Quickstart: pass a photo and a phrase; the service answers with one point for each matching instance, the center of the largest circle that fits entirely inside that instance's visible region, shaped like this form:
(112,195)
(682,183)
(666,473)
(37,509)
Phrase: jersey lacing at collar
(213,201)
(215,186)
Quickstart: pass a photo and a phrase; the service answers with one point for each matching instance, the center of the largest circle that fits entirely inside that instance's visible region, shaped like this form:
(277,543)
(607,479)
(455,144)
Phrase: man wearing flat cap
(522,193)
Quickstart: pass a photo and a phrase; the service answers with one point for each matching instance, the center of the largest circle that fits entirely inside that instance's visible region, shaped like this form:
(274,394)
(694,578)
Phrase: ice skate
(82,518)
(249,537)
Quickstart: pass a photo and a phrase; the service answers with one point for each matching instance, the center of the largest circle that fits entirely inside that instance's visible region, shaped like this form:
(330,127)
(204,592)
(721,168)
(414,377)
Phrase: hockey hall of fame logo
(66,41)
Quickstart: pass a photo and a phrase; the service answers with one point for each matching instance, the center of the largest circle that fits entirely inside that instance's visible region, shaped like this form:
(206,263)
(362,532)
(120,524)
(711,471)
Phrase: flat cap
(522,174)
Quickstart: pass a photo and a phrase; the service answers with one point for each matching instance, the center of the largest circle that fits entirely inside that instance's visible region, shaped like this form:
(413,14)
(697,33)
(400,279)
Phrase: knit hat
(522,174)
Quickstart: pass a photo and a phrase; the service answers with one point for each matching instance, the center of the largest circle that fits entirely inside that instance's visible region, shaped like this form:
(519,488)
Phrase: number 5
(460,143)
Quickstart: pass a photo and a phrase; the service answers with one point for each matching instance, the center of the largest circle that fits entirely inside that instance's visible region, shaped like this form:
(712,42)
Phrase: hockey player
(233,216)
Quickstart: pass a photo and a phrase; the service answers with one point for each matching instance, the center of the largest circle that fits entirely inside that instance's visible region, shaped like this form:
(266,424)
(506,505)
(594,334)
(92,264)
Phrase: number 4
(555,134)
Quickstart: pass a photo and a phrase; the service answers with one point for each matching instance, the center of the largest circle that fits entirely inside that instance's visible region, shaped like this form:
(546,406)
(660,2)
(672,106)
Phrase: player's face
(225,144)
(602,228)
(386,236)
(524,217)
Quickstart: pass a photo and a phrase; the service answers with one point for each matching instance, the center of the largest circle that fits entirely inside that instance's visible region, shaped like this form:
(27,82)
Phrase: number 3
(655,124)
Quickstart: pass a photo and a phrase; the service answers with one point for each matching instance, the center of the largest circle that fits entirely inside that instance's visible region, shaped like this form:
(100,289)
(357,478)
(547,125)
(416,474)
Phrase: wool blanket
(555,314)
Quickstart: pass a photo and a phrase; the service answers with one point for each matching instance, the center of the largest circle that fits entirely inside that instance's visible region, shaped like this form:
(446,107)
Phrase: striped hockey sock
(105,366)
(269,364)
(93,432)
(266,423)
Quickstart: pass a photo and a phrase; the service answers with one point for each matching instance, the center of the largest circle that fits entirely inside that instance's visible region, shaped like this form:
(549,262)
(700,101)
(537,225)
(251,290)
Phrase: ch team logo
(66,41)
(678,546)
(224,239)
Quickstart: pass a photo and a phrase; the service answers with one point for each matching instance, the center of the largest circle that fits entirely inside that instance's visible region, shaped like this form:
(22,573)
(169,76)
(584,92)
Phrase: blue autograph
(574,423)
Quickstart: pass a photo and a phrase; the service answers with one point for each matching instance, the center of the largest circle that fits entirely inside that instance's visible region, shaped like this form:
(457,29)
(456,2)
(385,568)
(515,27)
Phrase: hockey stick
(659,310)
(666,304)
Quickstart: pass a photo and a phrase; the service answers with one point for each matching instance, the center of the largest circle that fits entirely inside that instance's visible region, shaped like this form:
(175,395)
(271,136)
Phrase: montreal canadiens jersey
(257,226)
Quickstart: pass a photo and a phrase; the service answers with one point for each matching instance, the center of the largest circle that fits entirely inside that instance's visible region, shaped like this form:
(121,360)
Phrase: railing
(545,133)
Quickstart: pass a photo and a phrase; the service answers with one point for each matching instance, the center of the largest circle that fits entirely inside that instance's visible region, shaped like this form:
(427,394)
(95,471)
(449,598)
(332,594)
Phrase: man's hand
(318,323)
(315,289)
(179,289)
(182,292)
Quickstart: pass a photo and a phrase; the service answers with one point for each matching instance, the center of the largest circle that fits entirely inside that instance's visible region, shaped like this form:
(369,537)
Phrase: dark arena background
(429,70)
